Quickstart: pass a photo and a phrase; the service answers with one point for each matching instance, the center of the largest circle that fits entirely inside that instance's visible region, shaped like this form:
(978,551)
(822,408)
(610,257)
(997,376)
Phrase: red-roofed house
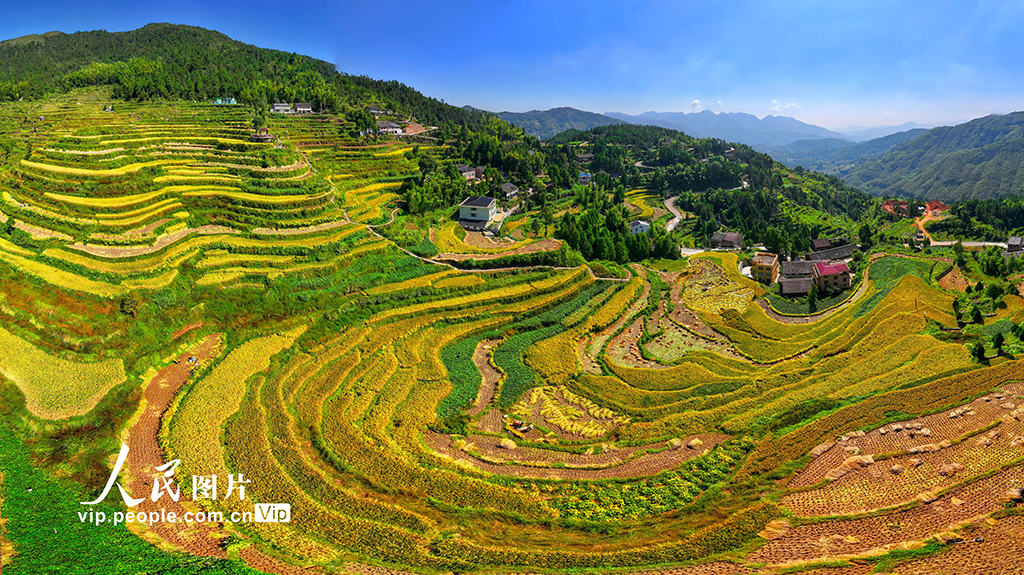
(832,275)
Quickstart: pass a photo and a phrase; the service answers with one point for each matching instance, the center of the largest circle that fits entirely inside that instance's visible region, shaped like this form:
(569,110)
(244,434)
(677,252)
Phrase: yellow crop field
(116,202)
(208,191)
(372,187)
(100,173)
(195,434)
(397,152)
(458,281)
(143,211)
(7,246)
(447,239)
(211,261)
(56,388)
(161,281)
(639,198)
(61,278)
(418,282)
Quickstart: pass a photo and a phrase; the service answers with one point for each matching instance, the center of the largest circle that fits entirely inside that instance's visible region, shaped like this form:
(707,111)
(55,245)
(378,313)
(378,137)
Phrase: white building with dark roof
(477,210)
(639,227)
(510,190)
(389,128)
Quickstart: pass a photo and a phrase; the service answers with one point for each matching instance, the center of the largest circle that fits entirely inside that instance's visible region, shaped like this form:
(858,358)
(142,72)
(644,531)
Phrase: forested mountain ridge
(831,155)
(547,123)
(980,159)
(171,61)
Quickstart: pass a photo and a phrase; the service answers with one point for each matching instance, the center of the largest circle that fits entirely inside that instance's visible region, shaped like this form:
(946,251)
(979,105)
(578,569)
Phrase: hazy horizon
(831,65)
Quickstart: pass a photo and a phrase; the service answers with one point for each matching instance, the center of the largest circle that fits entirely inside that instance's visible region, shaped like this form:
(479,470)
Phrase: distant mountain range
(547,123)
(734,127)
(862,134)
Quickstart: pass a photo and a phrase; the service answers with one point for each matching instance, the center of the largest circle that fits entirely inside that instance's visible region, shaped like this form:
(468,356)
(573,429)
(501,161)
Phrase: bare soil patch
(161,242)
(954,281)
(491,376)
(186,329)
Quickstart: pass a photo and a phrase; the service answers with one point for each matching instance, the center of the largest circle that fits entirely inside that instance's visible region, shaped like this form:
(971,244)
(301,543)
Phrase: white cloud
(720,105)
(696,105)
(777,107)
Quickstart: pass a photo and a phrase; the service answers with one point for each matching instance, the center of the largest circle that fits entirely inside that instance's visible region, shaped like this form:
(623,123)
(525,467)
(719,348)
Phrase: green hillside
(980,159)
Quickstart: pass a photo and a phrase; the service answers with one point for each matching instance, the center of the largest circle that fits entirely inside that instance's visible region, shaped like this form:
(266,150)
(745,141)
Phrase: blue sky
(830,63)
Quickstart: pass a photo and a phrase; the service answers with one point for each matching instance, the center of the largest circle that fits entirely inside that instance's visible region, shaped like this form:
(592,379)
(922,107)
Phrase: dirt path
(186,329)
(491,376)
(920,222)
(161,242)
(145,454)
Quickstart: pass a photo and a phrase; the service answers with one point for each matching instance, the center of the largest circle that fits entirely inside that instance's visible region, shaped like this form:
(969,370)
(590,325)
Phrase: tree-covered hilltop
(547,123)
(980,159)
(719,185)
(176,62)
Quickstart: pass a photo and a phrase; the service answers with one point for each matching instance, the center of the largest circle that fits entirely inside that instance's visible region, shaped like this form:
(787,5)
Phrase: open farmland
(419,417)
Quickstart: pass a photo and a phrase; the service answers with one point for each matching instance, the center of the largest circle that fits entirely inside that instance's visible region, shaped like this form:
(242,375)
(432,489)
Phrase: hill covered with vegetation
(981,159)
(547,123)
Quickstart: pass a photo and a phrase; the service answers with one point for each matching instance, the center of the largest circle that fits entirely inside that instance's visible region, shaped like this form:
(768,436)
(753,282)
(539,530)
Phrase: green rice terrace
(271,310)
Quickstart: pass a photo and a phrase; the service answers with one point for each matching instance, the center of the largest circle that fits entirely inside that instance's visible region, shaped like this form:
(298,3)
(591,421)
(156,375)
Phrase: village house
(375,110)
(1014,248)
(821,244)
(224,102)
(479,172)
(281,108)
(795,287)
(476,211)
(765,267)
(389,128)
(262,136)
(727,240)
(303,108)
(467,172)
(639,227)
(585,178)
(510,190)
(832,275)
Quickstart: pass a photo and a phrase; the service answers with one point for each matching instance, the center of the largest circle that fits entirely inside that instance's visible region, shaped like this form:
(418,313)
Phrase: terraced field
(424,418)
